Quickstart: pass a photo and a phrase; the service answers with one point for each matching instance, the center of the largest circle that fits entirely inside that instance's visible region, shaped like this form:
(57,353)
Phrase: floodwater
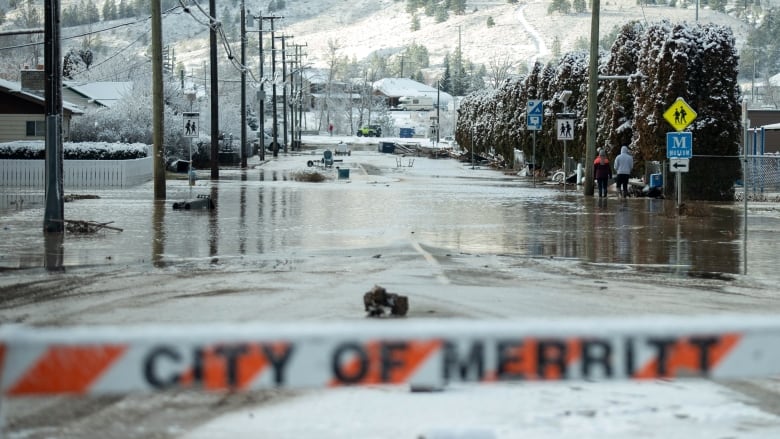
(265,213)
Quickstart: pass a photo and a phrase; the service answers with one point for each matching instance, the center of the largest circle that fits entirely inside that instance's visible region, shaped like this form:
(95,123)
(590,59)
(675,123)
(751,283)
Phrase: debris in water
(378,301)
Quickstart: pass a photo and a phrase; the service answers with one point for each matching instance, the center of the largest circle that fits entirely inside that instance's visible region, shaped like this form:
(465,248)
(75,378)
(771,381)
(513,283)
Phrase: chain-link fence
(763,174)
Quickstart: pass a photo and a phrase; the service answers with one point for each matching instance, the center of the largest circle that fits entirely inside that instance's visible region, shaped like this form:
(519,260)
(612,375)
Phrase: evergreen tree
(615,122)
(579,6)
(556,47)
(441,15)
(91,13)
(415,26)
(446,79)
(109,10)
(696,62)
(458,7)
(562,6)
(490,22)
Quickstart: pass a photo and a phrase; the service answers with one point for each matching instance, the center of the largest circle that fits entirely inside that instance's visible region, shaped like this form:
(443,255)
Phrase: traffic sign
(678,165)
(191,124)
(565,129)
(680,114)
(679,145)
(534,115)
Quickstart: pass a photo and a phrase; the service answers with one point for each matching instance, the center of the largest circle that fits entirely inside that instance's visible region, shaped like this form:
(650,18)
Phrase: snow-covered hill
(523,32)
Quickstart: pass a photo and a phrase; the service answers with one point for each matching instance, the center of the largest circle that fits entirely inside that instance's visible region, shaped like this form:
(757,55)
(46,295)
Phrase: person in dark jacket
(602,172)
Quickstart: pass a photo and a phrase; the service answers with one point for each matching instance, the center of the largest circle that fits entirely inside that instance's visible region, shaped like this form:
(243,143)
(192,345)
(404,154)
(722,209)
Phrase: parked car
(268,141)
(370,131)
(416,103)
(342,149)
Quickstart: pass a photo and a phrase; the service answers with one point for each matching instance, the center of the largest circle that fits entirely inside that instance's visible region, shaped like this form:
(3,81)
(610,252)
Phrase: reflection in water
(54,253)
(214,222)
(242,220)
(158,232)
(269,216)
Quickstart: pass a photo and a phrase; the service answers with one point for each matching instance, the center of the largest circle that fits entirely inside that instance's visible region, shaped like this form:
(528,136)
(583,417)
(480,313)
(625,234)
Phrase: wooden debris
(378,301)
(87,227)
(74,197)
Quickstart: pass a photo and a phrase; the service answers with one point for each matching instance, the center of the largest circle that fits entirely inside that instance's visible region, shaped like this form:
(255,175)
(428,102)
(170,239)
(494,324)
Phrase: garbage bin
(343,173)
(656,181)
(387,147)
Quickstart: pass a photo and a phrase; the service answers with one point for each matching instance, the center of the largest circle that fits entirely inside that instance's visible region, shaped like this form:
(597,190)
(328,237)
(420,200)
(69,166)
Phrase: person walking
(624,163)
(602,171)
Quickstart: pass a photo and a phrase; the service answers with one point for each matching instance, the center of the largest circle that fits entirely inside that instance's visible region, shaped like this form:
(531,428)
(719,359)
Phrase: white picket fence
(77,173)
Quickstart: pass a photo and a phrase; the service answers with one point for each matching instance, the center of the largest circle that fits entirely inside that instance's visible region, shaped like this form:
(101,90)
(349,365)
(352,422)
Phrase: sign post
(191,126)
(679,145)
(565,130)
(533,121)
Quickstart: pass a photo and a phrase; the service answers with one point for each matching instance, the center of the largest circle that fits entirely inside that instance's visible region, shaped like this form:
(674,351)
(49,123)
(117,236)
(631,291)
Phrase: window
(36,128)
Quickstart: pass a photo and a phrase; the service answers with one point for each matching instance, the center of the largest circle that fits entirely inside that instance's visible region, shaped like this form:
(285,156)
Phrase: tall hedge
(664,61)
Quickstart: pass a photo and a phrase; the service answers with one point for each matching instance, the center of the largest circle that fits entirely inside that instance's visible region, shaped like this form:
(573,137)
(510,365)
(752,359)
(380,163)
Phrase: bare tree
(500,67)
(333,62)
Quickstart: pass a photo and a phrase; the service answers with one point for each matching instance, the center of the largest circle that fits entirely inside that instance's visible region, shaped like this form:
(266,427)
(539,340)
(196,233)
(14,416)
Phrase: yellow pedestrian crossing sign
(679,114)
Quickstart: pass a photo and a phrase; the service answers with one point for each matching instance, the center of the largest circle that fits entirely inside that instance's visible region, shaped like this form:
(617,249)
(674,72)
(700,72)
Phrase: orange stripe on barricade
(387,363)
(687,357)
(67,369)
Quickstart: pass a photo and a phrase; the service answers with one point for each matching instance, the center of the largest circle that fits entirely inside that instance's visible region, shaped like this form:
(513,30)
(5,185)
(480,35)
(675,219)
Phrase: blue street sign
(679,145)
(533,118)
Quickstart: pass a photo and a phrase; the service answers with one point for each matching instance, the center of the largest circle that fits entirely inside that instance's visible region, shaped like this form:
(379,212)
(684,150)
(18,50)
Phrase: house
(393,89)
(95,94)
(23,109)
(770,121)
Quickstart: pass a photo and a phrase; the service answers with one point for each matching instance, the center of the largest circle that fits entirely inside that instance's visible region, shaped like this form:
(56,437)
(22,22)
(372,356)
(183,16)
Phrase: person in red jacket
(602,172)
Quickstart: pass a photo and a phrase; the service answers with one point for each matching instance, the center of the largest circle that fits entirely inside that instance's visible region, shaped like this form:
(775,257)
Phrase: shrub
(36,150)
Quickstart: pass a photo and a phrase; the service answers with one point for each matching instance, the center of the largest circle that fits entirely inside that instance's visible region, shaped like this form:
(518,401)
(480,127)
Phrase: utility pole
(274,118)
(243,86)
(158,111)
(54,213)
(274,132)
(297,95)
(214,90)
(593,79)
(261,92)
(283,38)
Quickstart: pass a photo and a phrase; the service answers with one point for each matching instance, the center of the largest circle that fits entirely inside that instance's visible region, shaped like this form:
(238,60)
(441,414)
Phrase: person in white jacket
(624,163)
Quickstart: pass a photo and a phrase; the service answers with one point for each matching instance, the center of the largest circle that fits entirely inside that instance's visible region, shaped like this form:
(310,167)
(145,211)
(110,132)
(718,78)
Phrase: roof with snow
(102,93)
(15,88)
(397,87)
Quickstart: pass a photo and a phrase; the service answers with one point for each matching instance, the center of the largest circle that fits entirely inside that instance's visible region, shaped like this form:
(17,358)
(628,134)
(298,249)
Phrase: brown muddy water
(261,213)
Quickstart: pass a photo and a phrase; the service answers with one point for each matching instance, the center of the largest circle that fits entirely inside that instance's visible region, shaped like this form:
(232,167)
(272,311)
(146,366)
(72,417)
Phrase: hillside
(522,32)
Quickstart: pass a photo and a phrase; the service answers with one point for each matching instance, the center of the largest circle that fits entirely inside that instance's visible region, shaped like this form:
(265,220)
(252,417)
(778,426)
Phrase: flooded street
(262,212)
(459,242)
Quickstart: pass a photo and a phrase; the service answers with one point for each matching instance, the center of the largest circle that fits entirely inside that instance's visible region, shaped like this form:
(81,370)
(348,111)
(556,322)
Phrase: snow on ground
(619,410)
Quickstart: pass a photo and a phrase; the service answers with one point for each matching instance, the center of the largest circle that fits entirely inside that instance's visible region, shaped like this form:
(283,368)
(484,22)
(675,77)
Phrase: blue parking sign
(533,118)
(679,145)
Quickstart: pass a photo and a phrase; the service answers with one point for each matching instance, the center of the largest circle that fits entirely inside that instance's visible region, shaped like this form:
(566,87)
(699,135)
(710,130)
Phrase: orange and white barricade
(233,357)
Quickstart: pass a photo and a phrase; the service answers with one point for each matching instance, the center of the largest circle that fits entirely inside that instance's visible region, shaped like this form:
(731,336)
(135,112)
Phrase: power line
(38,31)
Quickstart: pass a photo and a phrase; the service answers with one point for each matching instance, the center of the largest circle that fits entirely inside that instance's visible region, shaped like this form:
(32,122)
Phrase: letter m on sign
(679,145)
